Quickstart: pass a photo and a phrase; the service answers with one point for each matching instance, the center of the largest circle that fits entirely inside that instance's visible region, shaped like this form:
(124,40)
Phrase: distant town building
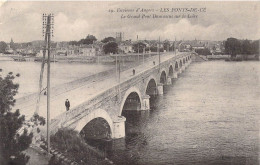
(198,46)
(126,46)
(184,47)
(12,46)
(195,45)
(119,36)
(88,50)
(73,50)
(61,51)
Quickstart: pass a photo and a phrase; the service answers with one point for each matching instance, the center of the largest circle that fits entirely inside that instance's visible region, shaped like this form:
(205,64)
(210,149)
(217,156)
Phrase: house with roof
(184,46)
(72,50)
(126,46)
(197,46)
(89,50)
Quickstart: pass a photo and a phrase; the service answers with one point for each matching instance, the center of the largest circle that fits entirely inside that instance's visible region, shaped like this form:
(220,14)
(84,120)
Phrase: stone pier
(169,80)
(146,102)
(180,70)
(160,89)
(175,75)
(119,127)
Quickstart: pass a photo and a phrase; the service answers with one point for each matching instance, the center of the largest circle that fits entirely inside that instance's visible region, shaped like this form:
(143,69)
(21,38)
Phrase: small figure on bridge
(67,104)
(44,91)
(133,71)
(153,62)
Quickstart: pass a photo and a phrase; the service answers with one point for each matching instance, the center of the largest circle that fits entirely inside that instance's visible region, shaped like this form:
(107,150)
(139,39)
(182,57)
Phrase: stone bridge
(133,93)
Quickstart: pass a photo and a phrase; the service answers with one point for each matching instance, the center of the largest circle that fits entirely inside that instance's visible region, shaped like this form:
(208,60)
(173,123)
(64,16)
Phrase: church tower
(12,44)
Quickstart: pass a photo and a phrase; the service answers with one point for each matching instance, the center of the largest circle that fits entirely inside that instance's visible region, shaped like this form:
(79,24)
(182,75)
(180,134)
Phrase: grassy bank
(73,148)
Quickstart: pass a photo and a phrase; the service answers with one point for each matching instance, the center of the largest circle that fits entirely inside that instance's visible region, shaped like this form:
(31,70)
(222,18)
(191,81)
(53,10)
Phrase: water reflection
(210,115)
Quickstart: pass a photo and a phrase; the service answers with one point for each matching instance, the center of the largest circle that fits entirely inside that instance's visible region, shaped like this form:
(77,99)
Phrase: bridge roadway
(59,94)
(80,96)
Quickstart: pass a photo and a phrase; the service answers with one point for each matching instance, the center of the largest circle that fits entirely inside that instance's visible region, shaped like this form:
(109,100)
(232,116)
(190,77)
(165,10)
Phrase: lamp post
(138,48)
(149,49)
(159,54)
(143,54)
(175,46)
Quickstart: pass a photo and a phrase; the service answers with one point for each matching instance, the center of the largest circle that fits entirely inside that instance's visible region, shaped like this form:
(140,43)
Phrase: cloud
(75,20)
(65,29)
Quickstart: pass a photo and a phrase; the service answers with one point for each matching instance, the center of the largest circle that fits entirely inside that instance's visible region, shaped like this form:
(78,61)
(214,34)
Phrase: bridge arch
(170,71)
(176,66)
(163,77)
(151,86)
(180,63)
(96,114)
(132,92)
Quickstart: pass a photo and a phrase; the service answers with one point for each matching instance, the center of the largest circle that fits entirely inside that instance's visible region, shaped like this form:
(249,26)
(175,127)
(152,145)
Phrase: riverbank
(62,59)
(253,57)
(199,58)
(218,57)
(106,59)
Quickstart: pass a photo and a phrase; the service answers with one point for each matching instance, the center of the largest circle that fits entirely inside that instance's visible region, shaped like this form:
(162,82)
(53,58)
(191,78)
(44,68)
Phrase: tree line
(111,46)
(245,47)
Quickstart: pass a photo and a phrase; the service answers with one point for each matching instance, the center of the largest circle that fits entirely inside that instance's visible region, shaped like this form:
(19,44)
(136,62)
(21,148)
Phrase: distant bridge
(132,93)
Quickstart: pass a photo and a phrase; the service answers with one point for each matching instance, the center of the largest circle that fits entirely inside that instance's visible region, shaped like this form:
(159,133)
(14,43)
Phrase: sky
(22,21)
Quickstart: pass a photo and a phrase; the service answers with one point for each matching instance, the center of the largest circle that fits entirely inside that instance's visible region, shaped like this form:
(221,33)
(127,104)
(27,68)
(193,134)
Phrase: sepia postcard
(129,82)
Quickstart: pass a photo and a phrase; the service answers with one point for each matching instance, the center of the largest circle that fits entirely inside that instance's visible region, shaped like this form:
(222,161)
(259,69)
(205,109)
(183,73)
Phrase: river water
(60,73)
(210,115)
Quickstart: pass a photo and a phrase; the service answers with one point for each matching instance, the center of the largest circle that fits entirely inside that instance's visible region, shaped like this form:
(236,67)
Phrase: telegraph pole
(159,54)
(143,54)
(116,65)
(49,33)
(175,46)
(138,47)
(48,87)
(149,48)
(119,77)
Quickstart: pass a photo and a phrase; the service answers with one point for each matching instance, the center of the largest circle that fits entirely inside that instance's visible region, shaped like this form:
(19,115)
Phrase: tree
(166,45)
(13,138)
(255,47)
(204,51)
(246,47)
(155,49)
(3,46)
(90,39)
(108,39)
(73,43)
(111,47)
(139,46)
(232,47)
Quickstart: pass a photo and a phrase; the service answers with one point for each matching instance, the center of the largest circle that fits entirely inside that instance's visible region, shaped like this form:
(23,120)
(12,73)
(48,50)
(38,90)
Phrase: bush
(69,143)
